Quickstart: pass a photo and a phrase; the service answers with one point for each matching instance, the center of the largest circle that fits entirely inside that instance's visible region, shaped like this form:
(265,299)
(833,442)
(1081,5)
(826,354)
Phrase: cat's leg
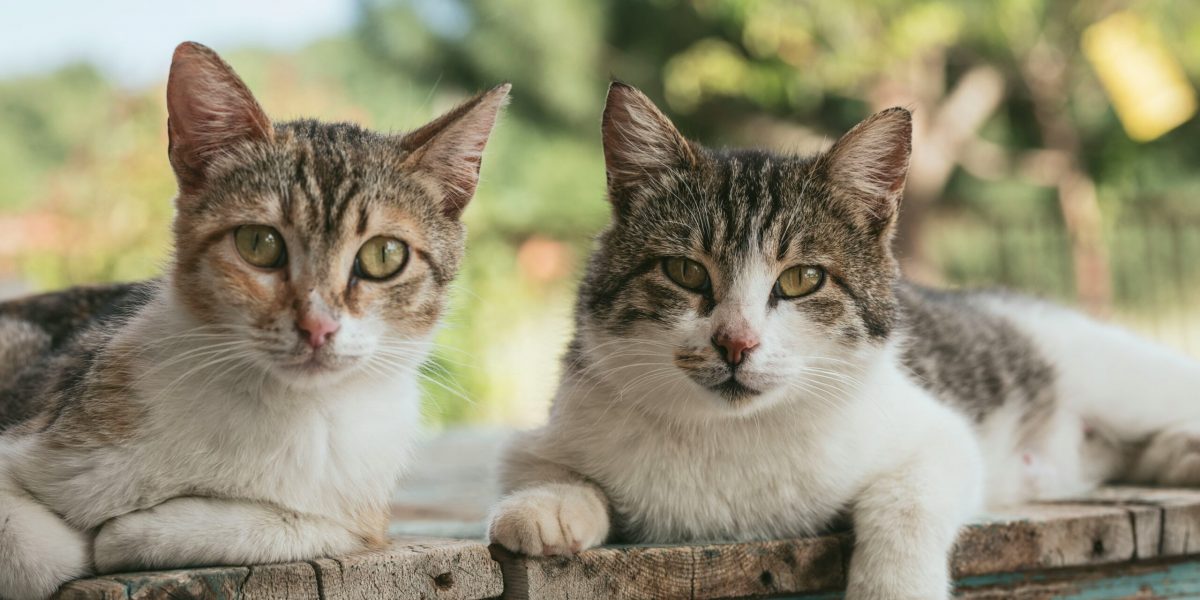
(184,532)
(907,519)
(1141,399)
(550,511)
(1169,457)
(38,550)
(1113,380)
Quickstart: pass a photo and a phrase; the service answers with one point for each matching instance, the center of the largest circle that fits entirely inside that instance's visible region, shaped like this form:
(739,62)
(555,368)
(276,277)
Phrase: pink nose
(317,329)
(734,347)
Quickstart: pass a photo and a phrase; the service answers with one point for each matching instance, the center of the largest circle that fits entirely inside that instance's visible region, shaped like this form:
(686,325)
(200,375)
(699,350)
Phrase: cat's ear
(869,164)
(209,110)
(642,148)
(450,148)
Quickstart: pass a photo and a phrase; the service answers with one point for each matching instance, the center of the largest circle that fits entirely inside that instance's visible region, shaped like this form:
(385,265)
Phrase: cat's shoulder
(51,340)
(63,314)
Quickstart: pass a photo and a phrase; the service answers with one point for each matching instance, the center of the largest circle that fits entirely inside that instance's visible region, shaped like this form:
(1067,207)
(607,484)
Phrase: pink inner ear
(640,142)
(455,164)
(450,148)
(210,109)
(871,161)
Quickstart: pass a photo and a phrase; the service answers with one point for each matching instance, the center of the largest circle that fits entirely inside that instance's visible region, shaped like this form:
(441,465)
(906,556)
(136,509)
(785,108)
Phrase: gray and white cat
(258,403)
(749,364)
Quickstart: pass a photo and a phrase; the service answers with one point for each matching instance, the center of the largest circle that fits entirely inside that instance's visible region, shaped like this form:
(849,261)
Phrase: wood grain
(654,572)
(410,568)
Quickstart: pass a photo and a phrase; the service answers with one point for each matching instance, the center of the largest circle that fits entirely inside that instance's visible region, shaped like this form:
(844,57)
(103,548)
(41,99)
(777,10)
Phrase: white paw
(38,553)
(549,520)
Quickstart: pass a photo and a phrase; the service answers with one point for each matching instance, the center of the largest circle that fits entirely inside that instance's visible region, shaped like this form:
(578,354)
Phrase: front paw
(116,546)
(549,520)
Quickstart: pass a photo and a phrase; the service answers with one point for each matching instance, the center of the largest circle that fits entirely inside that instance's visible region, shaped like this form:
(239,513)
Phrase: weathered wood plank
(699,572)
(426,568)
(1179,510)
(413,568)
(1027,539)
(1043,537)
(293,581)
(93,589)
(258,582)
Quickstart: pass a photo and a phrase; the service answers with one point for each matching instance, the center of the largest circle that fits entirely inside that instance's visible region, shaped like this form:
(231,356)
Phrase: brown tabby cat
(256,404)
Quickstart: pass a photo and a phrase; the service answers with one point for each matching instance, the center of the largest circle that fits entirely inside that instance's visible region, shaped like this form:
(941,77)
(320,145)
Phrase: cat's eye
(688,274)
(799,281)
(260,245)
(380,258)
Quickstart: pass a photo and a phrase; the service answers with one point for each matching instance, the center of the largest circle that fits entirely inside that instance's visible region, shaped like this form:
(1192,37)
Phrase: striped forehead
(750,208)
(328,195)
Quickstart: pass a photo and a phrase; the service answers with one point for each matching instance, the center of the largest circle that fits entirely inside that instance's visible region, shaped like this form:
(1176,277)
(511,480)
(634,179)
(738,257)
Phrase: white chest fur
(788,470)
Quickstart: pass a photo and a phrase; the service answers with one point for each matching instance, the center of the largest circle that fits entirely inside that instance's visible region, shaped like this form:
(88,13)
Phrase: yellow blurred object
(1145,82)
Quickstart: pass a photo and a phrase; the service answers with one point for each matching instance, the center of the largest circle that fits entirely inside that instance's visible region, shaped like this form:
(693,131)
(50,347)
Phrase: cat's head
(732,280)
(308,248)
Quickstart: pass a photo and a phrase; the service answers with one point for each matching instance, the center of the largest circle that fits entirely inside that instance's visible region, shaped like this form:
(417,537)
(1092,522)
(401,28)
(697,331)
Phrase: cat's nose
(734,348)
(317,329)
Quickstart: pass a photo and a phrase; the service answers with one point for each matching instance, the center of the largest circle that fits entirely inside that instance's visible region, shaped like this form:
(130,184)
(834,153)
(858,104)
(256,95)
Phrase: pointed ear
(450,148)
(869,164)
(209,109)
(641,145)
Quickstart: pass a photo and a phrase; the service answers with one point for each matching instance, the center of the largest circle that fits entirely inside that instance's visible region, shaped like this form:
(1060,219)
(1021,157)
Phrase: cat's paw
(1171,457)
(38,552)
(549,520)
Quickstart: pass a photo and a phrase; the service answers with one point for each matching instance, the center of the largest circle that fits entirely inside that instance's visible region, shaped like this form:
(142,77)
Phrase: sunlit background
(1056,143)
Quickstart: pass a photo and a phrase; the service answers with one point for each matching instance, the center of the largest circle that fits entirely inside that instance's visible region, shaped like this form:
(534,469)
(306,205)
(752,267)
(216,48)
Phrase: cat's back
(37,332)
(970,355)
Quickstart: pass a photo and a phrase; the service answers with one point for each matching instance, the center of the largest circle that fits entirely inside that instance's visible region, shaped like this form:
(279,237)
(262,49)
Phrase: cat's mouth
(734,391)
(315,363)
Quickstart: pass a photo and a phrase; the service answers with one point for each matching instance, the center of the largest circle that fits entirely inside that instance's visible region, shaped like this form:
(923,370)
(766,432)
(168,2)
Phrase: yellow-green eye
(260,246)
(380,258)
(689,274)
(799,281)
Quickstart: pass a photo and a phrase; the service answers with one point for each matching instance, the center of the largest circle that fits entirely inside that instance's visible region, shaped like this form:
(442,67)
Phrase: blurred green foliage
(85,185)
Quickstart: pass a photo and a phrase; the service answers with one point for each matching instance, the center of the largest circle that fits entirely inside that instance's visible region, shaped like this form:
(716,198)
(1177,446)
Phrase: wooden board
(651,572)
(414,568)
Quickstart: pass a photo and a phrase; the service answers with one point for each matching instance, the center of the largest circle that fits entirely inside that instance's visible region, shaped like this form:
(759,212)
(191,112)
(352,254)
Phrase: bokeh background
(1056,143)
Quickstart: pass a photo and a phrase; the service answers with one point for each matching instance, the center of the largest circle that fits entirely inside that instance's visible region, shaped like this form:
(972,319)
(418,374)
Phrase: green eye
(689,274)
(260,246)
(799,281)
(380,258)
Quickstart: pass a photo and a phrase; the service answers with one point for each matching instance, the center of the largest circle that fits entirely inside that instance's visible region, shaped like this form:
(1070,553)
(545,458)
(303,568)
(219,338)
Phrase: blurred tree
(1023,173)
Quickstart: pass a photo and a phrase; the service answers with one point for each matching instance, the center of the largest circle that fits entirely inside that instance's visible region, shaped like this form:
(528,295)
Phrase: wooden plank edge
(424,568)
(1032,538)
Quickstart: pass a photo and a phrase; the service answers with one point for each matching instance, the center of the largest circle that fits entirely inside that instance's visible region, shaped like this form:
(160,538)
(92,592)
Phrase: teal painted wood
(1166,581)
(1179,580)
